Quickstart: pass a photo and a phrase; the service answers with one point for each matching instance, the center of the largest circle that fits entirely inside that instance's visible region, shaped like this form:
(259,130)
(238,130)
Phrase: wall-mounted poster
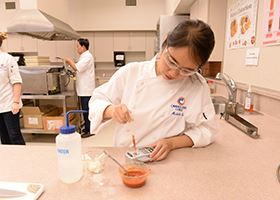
(241,24)
(271,22)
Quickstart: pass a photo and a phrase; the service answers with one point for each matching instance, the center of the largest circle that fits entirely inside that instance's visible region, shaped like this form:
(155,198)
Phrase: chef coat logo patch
(178,109)
(181,101)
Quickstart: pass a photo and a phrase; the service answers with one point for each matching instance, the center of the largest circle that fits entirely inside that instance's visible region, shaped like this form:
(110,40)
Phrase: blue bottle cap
(68,129)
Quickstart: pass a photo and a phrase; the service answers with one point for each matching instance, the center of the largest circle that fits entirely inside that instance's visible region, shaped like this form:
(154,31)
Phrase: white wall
(56,8)
(177,7)
(170,6)
(98,15)
(266,74)
(28,4)
(6,15)
(200,10)
(114,15)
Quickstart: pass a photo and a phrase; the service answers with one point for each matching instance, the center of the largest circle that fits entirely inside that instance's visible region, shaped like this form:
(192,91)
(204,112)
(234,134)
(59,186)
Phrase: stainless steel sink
(229,108)
(230,112)
(219,108)
(243,125)
(219,103)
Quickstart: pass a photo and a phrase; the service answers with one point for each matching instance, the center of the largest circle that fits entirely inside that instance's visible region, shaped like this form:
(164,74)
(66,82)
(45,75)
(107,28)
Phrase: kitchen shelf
(36,130)
(62,96)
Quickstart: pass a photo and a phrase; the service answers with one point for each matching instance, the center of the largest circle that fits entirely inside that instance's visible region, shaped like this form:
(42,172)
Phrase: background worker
(85,82)
(10,101)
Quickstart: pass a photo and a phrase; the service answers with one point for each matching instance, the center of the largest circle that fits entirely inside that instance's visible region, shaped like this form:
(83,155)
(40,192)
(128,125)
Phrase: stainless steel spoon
(117,162)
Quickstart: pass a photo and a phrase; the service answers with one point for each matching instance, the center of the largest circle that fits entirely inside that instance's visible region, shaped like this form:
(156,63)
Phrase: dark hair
(196,35)
(1,41)
(84,42)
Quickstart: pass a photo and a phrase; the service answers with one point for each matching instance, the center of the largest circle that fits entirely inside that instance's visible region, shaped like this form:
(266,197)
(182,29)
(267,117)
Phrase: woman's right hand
(119,113)
(67,60)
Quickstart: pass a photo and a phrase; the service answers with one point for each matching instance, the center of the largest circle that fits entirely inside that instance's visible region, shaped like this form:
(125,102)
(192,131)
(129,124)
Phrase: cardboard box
(53,123)
(33,116)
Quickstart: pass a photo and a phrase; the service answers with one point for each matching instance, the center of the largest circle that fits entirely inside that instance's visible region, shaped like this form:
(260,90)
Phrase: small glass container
(95,162)
(135,175)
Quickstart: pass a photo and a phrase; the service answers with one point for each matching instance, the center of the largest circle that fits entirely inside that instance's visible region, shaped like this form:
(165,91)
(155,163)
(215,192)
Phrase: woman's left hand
(161,149)
(15,108)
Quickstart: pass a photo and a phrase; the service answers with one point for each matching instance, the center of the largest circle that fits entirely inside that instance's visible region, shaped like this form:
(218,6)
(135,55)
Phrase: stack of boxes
(37,61)
(44,117)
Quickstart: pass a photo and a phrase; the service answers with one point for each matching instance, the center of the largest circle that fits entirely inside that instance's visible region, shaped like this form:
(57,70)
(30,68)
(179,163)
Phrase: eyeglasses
(172,64)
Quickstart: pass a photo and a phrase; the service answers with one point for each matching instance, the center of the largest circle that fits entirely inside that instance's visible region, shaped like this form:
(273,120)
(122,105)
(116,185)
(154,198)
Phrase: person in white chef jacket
(164,102)
(10,101)
(85,82)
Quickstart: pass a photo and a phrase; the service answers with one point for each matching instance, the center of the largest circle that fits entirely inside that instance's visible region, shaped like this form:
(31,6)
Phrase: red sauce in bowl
(135,177)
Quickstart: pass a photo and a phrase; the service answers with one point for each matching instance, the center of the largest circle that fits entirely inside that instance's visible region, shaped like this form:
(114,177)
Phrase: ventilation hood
(40,25)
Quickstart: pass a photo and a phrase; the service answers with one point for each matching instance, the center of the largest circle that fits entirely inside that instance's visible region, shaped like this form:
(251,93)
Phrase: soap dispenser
(248,105)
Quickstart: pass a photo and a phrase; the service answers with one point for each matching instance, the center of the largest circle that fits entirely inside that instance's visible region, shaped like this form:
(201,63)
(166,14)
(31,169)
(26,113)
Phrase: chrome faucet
(230,85)
(230,113)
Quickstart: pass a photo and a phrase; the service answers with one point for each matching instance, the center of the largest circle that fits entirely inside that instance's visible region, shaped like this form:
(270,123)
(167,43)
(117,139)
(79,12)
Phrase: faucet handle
(231,108)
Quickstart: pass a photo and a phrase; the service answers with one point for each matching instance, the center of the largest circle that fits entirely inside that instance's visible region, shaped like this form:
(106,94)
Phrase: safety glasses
(172,64)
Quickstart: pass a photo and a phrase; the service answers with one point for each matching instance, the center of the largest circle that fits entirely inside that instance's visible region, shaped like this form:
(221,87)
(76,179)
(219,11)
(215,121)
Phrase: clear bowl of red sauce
(135,175)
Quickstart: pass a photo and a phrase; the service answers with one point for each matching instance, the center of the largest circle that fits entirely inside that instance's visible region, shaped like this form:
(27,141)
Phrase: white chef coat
(160,108)
(9,75)
(85,82)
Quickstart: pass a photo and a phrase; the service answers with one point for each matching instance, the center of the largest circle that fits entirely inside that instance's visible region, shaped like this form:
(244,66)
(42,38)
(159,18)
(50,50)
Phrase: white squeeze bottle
(248,105)
(69,152)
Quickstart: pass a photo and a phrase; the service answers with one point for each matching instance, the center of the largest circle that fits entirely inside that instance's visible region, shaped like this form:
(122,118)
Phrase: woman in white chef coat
(164,102)
(10,101)
(85,82)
